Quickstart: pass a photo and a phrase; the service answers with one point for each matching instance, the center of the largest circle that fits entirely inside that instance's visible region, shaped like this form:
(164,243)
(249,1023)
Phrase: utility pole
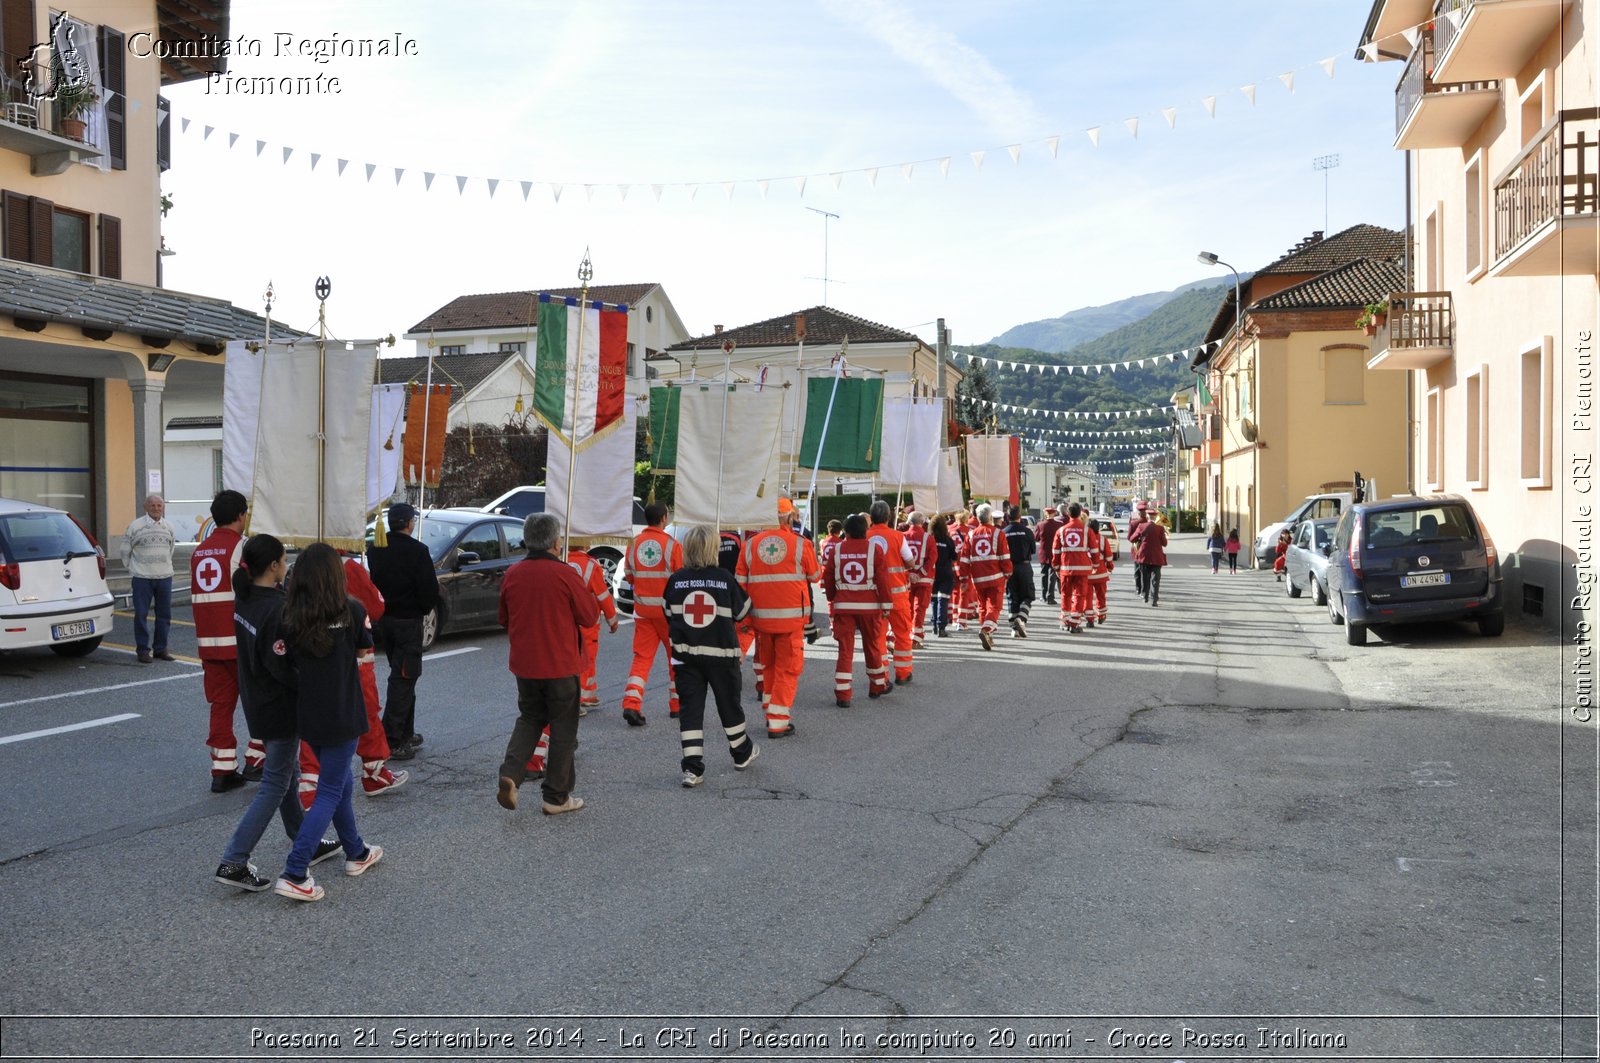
(826,217)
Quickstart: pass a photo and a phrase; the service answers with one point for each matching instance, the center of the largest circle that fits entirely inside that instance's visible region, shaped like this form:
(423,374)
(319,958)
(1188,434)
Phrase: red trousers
(1097,588)
(846,622)
(221,680)
(372,747)
(1074,596)
(989,597)
(780,658)
(921,595)
(649,633)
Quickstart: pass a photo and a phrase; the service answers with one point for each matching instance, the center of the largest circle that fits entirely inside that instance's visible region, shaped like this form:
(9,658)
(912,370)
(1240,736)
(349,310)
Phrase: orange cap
(785,507)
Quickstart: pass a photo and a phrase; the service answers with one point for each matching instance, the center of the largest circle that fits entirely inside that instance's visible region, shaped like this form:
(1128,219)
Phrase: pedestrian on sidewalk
(147,555)
(544,607)
(403,572)
(1151,540)
(267,690)
(704,606)
(1233,552)
(1216,544)
(324,632)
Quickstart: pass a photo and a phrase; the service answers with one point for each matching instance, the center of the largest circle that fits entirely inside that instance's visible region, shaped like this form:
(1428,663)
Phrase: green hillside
(1062,334)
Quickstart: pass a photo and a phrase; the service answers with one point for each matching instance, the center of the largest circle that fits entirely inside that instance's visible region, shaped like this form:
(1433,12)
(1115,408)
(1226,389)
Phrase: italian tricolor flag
(582,354)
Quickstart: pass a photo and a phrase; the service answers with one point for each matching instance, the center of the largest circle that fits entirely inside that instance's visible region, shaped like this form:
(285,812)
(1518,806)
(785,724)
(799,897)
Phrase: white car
(52,582)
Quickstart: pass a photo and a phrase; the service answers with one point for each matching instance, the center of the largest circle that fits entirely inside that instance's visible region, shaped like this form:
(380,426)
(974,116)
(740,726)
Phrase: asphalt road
(1156,839)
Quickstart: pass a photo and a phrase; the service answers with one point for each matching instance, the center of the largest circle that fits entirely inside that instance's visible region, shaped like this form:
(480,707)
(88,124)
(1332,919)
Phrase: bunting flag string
(1015,150)
(1083,367)
(1079,414)
(1078,434)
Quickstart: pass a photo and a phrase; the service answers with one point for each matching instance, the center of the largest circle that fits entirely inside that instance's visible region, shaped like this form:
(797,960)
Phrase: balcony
(1546,202)
(1482,39)
(49,153)
(1420,333)
(1395,16)
(1429,113)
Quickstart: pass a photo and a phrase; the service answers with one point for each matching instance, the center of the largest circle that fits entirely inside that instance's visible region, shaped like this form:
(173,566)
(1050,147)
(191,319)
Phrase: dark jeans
(1233,561)
(720,675)
(545,703)
(402,644)
(335,785)
(1051,582)
(1138,577)
(276,794)
(1151,588)
(146,591)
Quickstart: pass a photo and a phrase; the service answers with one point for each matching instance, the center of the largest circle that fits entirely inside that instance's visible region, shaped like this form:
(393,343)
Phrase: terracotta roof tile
(824,325)
(1319,256)
(1367,280)
(500,310)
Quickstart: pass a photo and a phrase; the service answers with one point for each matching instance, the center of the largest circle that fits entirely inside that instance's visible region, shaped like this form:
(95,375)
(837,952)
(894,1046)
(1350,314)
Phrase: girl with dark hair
(324,631)
(944,574)
(266,686)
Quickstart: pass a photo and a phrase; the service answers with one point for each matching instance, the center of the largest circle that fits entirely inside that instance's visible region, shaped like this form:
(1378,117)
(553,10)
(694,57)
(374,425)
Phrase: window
(511,346)
(38,231)
(216,471)
(1433,257)
(1474,214)
(1433,429)
(1477,428)
(1343,374)
(632,359)
(1535,420)
(483,540)
(1531,110)
(649,314)
(70,240)
(513,536)
(453,348)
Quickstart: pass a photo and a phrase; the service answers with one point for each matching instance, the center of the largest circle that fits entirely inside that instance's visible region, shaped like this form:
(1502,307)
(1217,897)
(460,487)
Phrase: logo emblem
(699,609)
(983,547)
(881,543)
(649,553)
(773,550)
(280,648)
(1074,539)
(855,572)
(208,573)
(1423,560)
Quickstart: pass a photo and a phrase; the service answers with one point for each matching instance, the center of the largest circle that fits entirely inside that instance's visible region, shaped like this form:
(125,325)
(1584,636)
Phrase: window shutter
(110,246)
(41,231)
(163,134)
(16,36)
(16,226)
(113,79)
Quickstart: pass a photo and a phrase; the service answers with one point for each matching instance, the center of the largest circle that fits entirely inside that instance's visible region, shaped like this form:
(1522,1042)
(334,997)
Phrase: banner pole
(722,441)
(811,495)
(585,274)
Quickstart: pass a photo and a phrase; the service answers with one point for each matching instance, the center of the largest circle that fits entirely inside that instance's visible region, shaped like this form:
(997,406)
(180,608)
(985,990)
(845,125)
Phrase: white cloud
(961,70)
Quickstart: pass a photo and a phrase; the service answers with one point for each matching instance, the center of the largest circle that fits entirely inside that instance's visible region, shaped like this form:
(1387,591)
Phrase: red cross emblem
(983,547)
(208,574)
(699,609)
(855,572)
(1074,539)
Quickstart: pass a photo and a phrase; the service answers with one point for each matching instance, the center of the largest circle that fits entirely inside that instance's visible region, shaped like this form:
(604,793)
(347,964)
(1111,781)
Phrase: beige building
(1295,409)
(1495,106)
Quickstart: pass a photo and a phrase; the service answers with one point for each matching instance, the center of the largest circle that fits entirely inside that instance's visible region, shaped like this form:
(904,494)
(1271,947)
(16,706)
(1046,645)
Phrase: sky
(691,95)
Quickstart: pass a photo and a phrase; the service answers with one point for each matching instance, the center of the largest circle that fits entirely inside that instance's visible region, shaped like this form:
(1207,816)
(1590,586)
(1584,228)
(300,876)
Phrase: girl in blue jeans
(324,631)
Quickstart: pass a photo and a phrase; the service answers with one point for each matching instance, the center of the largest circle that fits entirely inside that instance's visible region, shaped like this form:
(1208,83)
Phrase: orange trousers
(895,641)
(590,693)
(780,658)
(649,634)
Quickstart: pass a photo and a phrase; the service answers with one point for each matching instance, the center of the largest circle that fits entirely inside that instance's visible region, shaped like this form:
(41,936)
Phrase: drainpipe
(1411,375)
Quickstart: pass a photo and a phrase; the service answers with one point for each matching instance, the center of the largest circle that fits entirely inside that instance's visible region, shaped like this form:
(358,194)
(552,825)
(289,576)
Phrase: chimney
(716,330)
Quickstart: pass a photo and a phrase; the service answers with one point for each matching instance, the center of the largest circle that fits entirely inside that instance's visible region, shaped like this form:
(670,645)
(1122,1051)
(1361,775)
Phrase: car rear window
(1444,523)
(41,536)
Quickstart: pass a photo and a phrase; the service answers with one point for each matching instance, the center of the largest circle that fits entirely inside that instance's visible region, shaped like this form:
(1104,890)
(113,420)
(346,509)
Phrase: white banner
(241,412)
(946,497)
(989,466)
(384,449)
(912,432)
(602,509)
(729,478)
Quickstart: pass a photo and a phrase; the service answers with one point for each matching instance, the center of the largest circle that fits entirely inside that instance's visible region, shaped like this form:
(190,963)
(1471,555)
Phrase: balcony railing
(1446,28)
(1416,82)
(1419,319)
(1557,175)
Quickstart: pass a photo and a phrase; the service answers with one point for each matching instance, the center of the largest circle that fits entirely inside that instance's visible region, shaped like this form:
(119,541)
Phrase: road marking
(452,653)
(99,690)
(175,620)
(69,727)
(1405,862)
(120,648)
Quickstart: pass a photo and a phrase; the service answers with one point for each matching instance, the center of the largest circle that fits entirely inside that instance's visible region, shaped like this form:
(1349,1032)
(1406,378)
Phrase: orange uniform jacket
(651,558)
(776,569)
(594,577)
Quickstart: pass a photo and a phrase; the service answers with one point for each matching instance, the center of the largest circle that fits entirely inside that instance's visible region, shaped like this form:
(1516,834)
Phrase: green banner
(855,428)
(664,404)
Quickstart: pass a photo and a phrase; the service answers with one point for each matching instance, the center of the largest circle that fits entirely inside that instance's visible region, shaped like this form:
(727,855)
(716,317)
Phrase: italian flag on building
(581,354)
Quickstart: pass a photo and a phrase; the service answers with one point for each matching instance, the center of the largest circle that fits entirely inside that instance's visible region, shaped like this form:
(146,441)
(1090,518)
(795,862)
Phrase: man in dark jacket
(1019,588)
(403,572)
(1045,537)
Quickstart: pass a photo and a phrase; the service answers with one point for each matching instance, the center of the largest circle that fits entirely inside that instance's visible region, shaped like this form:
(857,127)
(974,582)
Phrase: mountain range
(1061,334)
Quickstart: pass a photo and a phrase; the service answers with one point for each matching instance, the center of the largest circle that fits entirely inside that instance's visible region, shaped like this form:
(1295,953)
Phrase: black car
(471,551)
(1413,559)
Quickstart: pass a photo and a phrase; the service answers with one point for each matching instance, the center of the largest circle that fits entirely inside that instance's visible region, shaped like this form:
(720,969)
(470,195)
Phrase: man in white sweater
(147,554)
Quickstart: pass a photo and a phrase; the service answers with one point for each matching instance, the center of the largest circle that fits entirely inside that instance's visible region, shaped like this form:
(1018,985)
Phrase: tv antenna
(1325,163)
(826,217)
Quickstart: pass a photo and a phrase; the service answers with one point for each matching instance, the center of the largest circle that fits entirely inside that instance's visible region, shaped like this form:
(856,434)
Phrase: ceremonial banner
(946,497)
(284,502)
(664,429)
(1015,473)
(912,433)
(438,412)
(586,350)
(855,428)
(989,467)
(241,416)
(602,505)
(741,465)
(384,443)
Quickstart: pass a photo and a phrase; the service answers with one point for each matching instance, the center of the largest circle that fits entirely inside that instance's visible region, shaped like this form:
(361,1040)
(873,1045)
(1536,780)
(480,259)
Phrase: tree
(483,462)
(975,389)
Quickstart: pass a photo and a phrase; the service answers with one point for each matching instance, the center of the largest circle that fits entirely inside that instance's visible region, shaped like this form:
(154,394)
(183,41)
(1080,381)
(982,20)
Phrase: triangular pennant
(1054,144)
(657,190)
(1171,115)
(1327,65)
(1370,50)
(1094,135)
(1058,370)
(261,145)
(1411,35)
(1455,15)
(184,122)
(872,177)
(836,177)
(729,186)
(622,193)
(1210,103)
(494,183)
(555,190)
(342,164)
(527,187)
(800,182)
(461,184)
(906,171)
(763,186)
(588,193)
(427,181)
(944,166)
(1133,126)
(286,153)
(399,172)
(371,169)
(1249,93)
(1287,77)
(208,131)
(315,158)
(233,138)
(694,188)
(1016,152)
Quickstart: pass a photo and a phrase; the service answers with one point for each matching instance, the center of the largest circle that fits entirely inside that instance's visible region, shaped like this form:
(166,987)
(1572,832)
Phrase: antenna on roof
(1325,163)
(826,217)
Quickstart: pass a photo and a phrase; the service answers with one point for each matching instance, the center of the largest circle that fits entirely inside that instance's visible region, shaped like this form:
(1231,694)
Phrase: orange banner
(438,411)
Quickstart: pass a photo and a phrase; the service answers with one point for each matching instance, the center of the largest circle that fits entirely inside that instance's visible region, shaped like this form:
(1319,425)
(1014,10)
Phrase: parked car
(471,551)
(1107,527)
(1314,507)
(519,502)
(1306,561)
(52,581)
(1413,559)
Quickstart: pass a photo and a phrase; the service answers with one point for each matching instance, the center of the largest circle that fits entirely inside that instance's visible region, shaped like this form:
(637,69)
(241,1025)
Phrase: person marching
(988,564)
(776,569)
(704,602)
(942,549)
(958,581)
(1101,563)
(1019,588)
(1073,565)
(970,607)
(593,577)
(651,558)
(729,543)
(825,552)
(921,571)
(861,597)
(1215,545)
(403,571)
(211,595)
(899,554)
(1233,552)
(1045,536)
(1151,541)
(1140,515)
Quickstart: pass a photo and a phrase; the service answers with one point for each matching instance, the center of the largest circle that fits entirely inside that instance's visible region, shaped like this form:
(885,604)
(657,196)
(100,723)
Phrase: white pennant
(1016,152)
(555,190)
(693,189)
(493,183)
(342,164)
(1054,143)
(315,158)
(1287,77)
(461,185)
(286,153)
(1455,15)
(1133,126)
(906,170)
(185,124)
(872,177)
(728,185)
(1210,105)
(1171,115)
(233,138)
(1125,365)
(622,193)
(527,187)
(588,193)
(1058,370)
(1370,50)
(977,159)
(1327,64)
(763,186)
(1249,92)
(427,181)
(398,173)
(657,190)
(1094,135)
(836,176)
(944,166)
(1411,35)
(261,145)
(208,131)
(801,182)
(371,169)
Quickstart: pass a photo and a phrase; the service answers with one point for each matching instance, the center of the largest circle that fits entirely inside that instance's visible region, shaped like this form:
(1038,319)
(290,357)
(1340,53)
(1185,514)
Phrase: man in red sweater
(544,607)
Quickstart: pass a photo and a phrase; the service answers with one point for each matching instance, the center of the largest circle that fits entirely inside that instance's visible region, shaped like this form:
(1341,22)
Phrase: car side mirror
(1327,551)
(465,558)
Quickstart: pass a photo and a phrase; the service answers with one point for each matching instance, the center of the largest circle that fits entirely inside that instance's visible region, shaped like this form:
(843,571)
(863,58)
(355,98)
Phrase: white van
(1313,508)
(52,582)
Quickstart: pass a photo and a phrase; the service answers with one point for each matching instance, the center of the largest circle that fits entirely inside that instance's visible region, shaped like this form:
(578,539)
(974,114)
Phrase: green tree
(976,389)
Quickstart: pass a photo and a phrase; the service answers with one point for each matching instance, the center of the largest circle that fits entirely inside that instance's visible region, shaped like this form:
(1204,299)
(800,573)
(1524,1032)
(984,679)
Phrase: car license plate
(1425,579)
(72,630)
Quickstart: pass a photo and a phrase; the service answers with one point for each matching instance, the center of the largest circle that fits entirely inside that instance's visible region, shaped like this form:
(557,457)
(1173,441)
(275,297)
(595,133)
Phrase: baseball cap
(785,507)
(401,514)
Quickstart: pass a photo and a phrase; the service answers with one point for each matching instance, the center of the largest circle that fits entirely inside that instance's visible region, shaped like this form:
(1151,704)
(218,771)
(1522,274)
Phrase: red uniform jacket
(1072,549)
(1152,540)
(594,577)
(921,564)
(988,558)
(359,586)
(211,592)
(858,579)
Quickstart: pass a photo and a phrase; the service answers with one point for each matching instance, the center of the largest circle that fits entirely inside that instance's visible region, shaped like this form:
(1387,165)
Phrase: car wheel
(1290,587)
(432,624)
(608,560)
(1333,611)
(83,647)
(1355,634)
(1492,625)
(1318,595)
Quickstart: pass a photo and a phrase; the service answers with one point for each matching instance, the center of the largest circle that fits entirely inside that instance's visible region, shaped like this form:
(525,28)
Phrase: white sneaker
(755,751)
(355,867)
(298,891)
(691,780)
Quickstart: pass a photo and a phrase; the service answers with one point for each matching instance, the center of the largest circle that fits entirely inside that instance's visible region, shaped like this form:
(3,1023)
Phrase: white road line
(69,727)
(131,652)
(446,653)
(99,690)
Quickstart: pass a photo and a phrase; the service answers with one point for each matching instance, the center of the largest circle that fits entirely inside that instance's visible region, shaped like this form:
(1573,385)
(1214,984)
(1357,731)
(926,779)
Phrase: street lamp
(1208,258)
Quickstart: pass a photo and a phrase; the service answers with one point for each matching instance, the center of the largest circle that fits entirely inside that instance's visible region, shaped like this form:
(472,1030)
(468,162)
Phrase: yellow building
(1295,410)
(1495,106)
(89,342)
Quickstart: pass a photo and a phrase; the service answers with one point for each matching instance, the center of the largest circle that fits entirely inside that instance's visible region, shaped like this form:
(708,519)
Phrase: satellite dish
(1247,428)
